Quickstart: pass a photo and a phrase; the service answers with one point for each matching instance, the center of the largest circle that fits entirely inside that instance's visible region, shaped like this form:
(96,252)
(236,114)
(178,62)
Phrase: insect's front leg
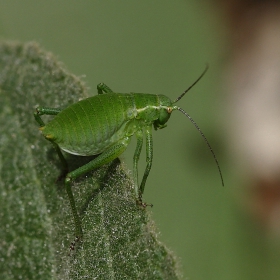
(149,158)
(139,136)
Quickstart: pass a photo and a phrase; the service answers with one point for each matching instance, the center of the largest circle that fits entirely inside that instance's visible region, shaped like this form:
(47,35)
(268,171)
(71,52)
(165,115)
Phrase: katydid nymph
(103,125)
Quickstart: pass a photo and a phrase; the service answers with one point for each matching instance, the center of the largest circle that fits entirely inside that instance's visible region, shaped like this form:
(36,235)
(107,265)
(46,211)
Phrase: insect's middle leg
(101,88)
(106,157)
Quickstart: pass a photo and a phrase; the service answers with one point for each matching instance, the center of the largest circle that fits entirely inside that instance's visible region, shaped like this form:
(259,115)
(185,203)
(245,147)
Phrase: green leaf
(37,228)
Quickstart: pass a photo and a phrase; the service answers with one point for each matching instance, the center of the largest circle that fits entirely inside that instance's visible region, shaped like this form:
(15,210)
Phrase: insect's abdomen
(91,125)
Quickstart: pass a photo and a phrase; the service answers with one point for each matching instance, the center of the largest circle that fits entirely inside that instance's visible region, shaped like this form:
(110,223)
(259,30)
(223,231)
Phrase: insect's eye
(169,110)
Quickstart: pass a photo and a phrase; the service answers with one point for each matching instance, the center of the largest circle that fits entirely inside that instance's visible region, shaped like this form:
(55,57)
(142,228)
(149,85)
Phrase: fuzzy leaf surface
(36,222)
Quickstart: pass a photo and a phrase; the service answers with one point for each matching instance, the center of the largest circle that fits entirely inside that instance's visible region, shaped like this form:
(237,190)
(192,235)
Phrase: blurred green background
(161,47)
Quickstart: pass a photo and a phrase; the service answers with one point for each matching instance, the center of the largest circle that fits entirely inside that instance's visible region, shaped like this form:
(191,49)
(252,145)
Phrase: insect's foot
(62,175)
(142,204)
(73,245)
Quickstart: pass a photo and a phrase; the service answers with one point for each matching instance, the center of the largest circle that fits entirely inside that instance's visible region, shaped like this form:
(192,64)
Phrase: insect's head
(164,112)
(167,106)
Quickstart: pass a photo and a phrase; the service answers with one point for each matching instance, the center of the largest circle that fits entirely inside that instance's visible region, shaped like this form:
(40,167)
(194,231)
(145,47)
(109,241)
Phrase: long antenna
(205,70)
(202,134)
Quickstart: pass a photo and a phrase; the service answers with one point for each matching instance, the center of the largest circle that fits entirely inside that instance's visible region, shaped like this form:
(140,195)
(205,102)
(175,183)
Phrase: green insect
(103,125)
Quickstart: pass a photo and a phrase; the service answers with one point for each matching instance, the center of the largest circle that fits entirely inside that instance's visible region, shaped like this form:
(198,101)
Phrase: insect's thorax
(147,106)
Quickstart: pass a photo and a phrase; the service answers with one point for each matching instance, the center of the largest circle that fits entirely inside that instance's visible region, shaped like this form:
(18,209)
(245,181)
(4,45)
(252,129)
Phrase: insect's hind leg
(63,161)
(44,111)
(102,88)
(106,157)
(52,111)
